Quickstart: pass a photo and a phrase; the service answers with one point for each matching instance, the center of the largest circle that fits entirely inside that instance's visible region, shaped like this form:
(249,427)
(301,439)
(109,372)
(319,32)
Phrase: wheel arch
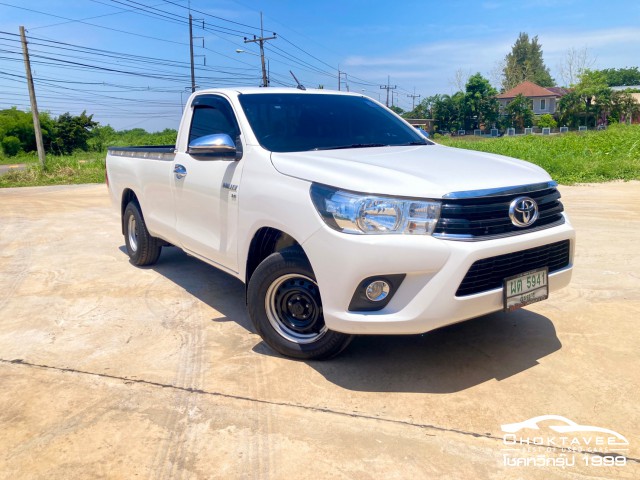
(265,241)
(128,195)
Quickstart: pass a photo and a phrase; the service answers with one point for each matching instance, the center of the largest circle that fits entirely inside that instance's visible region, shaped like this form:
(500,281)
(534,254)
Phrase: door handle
(179,171)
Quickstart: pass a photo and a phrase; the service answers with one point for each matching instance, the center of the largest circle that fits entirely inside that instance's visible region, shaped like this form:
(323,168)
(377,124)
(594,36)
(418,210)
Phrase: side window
(212,115)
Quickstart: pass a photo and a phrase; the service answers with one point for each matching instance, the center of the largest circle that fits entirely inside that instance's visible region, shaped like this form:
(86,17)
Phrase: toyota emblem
(523,211)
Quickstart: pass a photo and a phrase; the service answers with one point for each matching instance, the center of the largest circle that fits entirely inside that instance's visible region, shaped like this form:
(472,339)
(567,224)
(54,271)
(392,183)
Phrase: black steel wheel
(142,248)
(286,308)
(294,308)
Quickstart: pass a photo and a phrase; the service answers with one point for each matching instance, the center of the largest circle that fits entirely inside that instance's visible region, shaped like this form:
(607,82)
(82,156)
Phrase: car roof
(276,90)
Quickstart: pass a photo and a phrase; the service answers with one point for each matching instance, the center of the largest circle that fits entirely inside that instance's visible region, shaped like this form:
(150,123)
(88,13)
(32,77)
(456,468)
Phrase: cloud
(608,48)
(560,42)
(430,67)
(434,63)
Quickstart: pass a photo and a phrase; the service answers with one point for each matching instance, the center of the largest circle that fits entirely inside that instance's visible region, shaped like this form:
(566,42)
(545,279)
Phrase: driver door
(205,187)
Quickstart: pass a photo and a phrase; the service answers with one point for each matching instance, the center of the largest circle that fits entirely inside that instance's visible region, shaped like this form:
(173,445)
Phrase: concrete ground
(111,371)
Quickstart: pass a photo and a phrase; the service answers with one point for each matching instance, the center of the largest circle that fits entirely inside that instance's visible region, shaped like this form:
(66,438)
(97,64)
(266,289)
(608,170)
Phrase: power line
(94,25)
(87,18)
(278,51)
(56,60)
(307,53)
(210,15)
(113,54)
(174,18)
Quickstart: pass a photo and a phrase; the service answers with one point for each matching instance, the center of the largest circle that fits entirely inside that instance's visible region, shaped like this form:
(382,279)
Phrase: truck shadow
(451,359)
(221,291)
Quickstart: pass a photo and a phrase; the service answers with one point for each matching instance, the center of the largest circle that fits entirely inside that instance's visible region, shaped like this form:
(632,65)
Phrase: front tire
(142,248)
(286,309)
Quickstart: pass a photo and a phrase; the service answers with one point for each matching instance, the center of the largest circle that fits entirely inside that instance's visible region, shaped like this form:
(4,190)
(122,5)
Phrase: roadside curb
(15,166)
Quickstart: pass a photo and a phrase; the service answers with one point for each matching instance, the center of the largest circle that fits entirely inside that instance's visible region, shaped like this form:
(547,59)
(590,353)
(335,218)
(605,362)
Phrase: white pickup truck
(340,217)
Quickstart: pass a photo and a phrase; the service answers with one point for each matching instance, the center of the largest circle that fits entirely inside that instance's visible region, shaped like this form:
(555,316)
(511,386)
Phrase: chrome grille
(482,218)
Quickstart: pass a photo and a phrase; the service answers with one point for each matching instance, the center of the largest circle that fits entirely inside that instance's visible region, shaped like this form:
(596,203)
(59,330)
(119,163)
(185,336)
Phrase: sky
(127,61)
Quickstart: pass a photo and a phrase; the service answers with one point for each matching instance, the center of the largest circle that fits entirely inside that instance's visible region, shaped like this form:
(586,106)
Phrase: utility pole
(340,80)
(32,98)
(388,87)
(193,71)
(260,41)
(413,99)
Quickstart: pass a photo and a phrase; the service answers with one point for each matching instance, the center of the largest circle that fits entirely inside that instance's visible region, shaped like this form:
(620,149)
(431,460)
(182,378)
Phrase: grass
(31,157)
(84,167)
(599,156)
(612,154)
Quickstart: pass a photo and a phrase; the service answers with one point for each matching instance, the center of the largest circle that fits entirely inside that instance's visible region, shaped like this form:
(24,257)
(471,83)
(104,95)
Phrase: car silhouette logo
(564,425)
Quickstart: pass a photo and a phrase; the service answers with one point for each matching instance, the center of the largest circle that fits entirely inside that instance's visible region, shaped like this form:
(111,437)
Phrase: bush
(11,146)
(547,121)
(595,156)
(59,170)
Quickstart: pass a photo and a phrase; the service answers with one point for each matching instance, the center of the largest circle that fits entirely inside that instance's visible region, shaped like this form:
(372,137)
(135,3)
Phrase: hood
(428,171)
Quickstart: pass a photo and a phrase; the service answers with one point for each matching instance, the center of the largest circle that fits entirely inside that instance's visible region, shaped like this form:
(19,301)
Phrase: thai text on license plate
(526,288)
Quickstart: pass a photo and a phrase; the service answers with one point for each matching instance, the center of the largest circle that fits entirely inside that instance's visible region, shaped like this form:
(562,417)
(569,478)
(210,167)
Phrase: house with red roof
(544,99)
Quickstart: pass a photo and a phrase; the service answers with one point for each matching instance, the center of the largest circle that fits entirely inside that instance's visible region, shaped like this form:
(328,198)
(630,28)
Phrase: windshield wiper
(353,145)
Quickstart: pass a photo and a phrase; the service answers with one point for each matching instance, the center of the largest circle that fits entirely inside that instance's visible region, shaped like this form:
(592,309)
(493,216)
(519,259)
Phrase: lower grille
(489,273)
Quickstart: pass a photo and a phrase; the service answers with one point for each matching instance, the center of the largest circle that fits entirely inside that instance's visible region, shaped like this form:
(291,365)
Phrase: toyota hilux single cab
(340,217)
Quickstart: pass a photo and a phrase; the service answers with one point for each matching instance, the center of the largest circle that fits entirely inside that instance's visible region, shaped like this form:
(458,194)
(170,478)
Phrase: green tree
(593,83)
(525,62)
(617,77)
(547,121)
(449,112)
(624,107)
(424,109)
(460,109)
(72,132)
(19,124)
(444,113)
(571,111)
(396,109)
(11,146)
(614,106)
(519,112)
(102,136)
(592,102)
(481,105)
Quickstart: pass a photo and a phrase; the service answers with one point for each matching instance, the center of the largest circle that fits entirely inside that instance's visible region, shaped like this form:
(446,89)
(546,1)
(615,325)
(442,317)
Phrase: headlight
(360,213)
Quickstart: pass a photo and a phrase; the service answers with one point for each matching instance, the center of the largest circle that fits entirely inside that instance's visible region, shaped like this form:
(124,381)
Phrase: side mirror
(216,144)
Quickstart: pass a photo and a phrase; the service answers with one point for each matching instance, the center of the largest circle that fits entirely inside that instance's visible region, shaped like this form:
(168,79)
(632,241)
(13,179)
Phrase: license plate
(526,288)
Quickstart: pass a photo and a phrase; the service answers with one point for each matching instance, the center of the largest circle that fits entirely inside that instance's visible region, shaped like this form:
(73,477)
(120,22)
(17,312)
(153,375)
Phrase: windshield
(296,122)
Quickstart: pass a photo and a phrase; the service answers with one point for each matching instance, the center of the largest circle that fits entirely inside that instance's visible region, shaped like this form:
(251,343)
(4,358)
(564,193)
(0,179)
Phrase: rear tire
(286,309)
(142,248)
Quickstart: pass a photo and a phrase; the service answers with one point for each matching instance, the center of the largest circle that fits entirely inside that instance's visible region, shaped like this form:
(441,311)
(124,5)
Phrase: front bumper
(434,269)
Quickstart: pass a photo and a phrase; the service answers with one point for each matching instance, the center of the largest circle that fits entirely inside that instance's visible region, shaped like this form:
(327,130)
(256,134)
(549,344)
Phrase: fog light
(377,290)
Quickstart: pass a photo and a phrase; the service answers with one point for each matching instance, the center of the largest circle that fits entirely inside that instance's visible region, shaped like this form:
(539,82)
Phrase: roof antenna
(300,86)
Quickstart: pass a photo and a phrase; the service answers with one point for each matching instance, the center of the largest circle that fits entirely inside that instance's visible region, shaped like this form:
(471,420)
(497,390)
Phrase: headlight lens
(358,213)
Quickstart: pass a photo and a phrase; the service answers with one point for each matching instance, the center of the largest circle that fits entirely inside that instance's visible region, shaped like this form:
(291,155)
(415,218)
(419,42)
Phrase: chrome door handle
(180,171)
